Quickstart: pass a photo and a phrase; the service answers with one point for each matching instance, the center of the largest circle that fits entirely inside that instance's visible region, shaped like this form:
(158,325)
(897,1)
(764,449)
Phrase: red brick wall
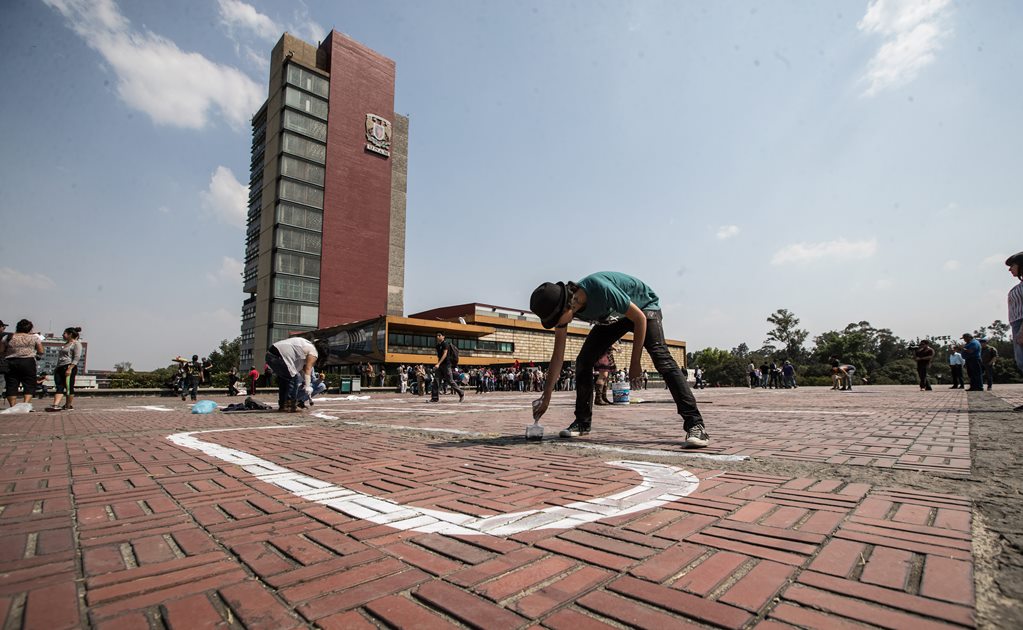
(357,191)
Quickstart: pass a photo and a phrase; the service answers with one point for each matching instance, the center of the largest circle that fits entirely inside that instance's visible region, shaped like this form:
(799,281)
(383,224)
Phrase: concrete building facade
(490,336)
(325,240)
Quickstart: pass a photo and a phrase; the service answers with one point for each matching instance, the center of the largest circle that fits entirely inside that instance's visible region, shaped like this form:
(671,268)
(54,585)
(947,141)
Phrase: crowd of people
(614,302)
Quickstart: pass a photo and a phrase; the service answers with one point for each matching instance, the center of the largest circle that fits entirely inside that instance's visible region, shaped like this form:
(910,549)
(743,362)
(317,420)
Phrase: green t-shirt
(608,294)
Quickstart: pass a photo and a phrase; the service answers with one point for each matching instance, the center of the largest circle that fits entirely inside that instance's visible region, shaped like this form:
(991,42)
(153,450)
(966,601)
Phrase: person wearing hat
(988,355)
(974,371)
(616,304)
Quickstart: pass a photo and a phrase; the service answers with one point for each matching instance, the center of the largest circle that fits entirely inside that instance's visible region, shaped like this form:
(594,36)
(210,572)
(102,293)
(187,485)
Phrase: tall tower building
(325,243)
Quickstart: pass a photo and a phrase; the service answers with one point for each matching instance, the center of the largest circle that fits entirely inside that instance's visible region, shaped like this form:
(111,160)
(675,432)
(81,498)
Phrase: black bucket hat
(548,302)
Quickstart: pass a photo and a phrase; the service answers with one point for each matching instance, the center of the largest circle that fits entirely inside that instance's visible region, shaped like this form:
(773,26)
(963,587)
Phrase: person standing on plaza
(955,364)
(193,374)
(924,355)
(788,373)
(20,350)
(617,304)
(232,382)
(292,361)
(67,369)
(1015,265)
(974,371)
(253,380)
(207,372)
(446,361)
(988,356)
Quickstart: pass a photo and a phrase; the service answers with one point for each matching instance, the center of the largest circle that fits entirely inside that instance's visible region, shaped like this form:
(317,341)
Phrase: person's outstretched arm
(557,358)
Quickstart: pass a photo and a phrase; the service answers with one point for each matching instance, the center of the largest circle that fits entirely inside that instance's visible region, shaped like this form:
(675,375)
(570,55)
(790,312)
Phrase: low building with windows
(486,335)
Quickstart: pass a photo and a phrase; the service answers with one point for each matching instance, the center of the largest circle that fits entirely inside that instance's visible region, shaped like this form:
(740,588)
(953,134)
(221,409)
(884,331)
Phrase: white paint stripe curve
(661,484)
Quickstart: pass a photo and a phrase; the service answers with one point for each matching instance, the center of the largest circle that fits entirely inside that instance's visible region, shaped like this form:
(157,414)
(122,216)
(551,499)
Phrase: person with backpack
(447,359)
(617,304)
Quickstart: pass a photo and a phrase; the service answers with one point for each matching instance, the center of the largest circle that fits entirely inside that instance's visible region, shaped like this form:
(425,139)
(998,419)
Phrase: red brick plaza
(811,508)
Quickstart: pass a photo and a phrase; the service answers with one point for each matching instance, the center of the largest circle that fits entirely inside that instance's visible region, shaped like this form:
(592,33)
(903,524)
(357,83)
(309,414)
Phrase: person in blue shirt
(974,370)
(616,304)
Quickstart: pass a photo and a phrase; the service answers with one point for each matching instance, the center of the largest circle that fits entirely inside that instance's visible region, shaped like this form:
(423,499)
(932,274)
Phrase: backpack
(452,354)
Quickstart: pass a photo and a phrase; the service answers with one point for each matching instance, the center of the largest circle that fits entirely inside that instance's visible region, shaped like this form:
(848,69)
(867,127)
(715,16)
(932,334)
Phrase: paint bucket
(620,393)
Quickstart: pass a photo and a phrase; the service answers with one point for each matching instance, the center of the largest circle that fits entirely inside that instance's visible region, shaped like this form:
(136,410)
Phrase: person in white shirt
(955,363)
(292,361)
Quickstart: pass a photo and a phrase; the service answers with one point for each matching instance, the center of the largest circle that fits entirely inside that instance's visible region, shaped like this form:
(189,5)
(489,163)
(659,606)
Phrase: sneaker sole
(696,443)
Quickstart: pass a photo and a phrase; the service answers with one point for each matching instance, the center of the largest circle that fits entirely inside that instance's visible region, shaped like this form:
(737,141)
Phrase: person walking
(447,358)
(974,371)
(20,350)
(67,369)
(617,304)
(1015,299)
(924,355)
(955,364)
(988,356)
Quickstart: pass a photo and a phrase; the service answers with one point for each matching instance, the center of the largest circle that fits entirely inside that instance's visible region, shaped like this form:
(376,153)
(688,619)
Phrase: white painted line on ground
(668,483)
(655,452)
(809,411)
(150,407)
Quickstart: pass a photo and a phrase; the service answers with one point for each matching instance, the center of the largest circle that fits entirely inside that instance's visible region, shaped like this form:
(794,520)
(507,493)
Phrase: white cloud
(14,281)
(230,272)
(951,265)
(994,260)
(727,231)
(838,250)
(883,284)
(226,197)
(156,77)
(237,15)
(914,31)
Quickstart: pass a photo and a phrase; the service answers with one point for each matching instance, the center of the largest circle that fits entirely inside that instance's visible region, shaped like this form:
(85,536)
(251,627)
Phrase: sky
(847,160)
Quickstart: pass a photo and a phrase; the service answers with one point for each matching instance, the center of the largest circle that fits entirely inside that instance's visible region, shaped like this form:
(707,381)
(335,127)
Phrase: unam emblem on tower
(378,135)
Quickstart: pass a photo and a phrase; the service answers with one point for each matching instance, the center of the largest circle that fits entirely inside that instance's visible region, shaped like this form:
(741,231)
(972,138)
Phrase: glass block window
(300,169)
(301,193)
(305,125)
(297,145)
(305,103)
(298,265)
(299,240)
(308,81)
(297,314)
(296,289)
(298,216)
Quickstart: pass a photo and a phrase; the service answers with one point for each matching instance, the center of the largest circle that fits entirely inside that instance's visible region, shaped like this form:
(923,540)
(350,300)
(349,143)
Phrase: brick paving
(106,523)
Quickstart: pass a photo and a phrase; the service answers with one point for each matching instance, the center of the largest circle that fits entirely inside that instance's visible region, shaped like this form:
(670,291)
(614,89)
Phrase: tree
(123,366)
(785,334)
(227,355)
(999,330)
(741,351)
(720,367)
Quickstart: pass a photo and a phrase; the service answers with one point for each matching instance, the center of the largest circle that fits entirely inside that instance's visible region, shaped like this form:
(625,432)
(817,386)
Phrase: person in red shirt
(253,378)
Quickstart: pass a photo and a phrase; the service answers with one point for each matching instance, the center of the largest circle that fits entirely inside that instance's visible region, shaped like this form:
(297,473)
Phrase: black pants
(976,373)
(599,341)
(20,371)
(443,373)
(64,377)
(957,376)
(921,370)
